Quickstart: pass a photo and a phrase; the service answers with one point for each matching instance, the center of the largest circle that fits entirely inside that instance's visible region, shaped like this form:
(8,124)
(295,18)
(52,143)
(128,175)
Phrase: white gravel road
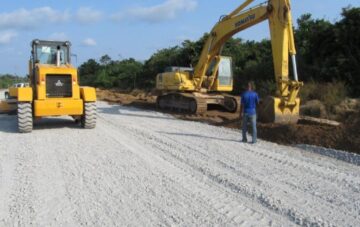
(143,168)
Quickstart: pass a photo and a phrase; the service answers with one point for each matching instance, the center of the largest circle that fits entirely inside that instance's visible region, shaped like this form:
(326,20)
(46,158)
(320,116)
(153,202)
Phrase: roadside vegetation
(328,55)
(328,58)
(7,80)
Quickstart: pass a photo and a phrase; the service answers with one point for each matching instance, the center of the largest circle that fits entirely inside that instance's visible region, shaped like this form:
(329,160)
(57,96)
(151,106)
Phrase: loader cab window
(46,54)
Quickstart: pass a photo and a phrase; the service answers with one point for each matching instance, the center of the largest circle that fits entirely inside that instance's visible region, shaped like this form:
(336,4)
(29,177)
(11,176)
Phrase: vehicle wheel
(6,95)
(25,117)
(88,120)
(231,104)
(192,106)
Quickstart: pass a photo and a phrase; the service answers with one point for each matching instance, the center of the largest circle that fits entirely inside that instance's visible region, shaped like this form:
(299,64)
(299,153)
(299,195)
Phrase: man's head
(251,86)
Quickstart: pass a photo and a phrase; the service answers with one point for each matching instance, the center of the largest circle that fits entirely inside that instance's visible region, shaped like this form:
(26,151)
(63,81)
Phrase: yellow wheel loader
(54,88)
(192,90)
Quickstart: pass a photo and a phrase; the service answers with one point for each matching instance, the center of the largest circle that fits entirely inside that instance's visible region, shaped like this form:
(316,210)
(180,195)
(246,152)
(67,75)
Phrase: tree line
(6,80)
(327,52)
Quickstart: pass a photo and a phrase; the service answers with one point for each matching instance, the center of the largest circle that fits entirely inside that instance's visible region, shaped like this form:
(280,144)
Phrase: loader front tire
(88,119)
(25,117)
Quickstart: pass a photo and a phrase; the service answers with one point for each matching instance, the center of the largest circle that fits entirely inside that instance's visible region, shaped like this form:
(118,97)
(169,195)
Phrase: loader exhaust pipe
(58,56)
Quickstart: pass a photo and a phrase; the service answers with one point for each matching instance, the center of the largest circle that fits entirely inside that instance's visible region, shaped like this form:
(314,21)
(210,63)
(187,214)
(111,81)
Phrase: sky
(127,28)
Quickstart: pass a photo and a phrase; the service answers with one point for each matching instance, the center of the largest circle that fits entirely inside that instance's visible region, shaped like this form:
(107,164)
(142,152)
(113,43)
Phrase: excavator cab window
(225,73)
(211,68)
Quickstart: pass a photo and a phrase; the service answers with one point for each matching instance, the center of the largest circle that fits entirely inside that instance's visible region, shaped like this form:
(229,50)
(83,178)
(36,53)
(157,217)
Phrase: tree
(8,80)
(105,59)
(87,72)
(326,52)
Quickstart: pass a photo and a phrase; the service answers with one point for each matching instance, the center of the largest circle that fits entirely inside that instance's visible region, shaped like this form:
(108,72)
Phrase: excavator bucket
(7,107)
(272,110)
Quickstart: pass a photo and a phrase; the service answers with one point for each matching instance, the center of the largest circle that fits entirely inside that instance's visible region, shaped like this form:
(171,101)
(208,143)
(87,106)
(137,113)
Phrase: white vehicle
(16,85)
(21,85)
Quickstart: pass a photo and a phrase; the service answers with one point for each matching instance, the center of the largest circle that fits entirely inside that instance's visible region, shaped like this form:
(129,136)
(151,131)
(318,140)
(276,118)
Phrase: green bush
(309,91)
(7,80)
(265,88)
(330,94)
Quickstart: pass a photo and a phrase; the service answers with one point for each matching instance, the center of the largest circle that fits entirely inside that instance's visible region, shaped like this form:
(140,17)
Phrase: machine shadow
(8,123)
(198,136)
(130,111)
(55,123)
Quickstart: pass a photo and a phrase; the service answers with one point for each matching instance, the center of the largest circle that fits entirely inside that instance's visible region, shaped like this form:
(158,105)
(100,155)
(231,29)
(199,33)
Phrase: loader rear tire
(88,120)
(25,117)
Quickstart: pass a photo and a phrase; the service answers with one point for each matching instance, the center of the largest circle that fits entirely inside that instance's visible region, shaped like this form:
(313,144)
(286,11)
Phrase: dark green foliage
(327,52)
(108,73)
(330,51)
(8,80)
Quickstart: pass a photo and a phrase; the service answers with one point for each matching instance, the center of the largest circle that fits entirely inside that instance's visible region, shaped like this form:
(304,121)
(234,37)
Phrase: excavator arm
(223,31)
(285,106)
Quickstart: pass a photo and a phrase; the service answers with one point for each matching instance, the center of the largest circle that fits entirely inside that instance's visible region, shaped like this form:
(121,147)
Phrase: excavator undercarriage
(196,102)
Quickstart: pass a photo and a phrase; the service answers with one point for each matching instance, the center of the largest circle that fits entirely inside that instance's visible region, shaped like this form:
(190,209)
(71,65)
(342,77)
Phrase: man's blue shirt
(249,100)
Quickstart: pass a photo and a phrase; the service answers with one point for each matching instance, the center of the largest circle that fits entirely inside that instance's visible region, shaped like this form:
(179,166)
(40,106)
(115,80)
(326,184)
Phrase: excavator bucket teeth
(271,110)
(6,107)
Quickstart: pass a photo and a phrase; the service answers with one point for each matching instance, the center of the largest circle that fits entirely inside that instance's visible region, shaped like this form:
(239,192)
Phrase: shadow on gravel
(336,154)
(55,123)
(117,110)
(197,135)
(8,123)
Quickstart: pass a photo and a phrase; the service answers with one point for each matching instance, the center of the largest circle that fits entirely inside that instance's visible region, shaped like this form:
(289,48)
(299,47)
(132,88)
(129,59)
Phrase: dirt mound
(314,108)
(343,137)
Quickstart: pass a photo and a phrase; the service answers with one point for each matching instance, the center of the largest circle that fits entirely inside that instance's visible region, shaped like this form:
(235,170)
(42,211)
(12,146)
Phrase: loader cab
(50,52)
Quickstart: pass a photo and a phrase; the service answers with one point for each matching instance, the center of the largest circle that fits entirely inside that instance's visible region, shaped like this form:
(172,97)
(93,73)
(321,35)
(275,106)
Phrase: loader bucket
(7,107)
(273,111)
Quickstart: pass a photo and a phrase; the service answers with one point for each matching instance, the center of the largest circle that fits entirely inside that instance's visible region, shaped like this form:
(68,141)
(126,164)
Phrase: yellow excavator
(191,90)
(54,89)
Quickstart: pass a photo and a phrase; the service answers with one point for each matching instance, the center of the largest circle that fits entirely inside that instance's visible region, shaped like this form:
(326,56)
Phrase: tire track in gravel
(140,168)
(141,151)
(245,189)
(141,195)
(298,167)
(22,193)
(291,163)
(222,202)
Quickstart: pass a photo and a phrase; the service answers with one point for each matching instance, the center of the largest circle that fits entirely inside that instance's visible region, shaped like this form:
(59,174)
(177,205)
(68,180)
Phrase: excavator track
(182,103)
(201,105)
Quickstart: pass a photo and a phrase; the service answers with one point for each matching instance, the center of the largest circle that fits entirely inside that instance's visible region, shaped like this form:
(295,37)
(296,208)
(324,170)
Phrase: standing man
(249,101)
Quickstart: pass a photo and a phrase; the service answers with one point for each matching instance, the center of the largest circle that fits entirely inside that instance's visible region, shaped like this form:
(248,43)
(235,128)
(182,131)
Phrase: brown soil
(343,137)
